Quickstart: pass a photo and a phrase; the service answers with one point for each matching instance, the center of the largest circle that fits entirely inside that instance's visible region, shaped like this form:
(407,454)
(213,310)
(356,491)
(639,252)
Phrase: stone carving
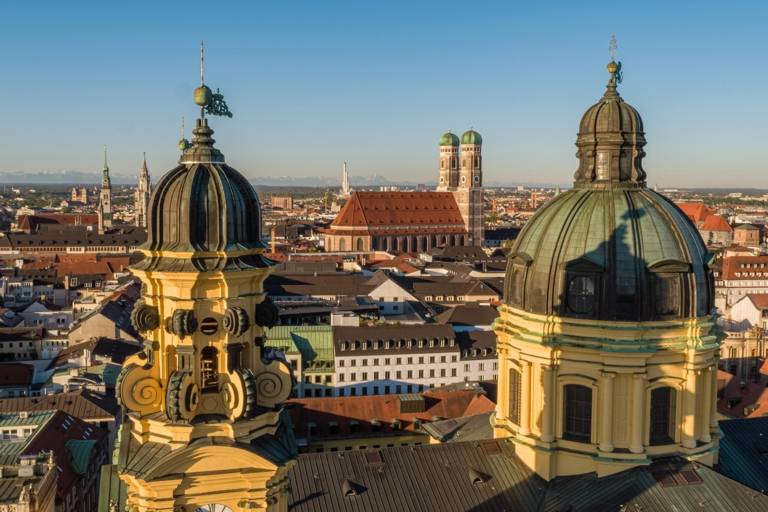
(139,390)
(182,323)
(273,384)
(182,397)
(236,321)
(266,313)
(144,317)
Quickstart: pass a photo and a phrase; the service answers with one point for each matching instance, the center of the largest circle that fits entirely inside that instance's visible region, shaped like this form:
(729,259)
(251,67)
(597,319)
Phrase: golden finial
(614,67)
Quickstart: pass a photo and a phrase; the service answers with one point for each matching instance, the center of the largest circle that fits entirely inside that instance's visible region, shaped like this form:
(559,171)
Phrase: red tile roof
(31,222)
(16,374)
(384,409)
(380,210)
(54,435)
(745,265)
(760,300)
(697,212)
(716,223)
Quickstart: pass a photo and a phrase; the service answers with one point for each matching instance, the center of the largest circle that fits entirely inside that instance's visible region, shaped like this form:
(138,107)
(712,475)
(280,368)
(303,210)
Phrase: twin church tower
(461,172)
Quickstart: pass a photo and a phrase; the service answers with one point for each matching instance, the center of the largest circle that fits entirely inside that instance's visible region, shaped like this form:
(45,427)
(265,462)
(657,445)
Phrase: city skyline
(313,86)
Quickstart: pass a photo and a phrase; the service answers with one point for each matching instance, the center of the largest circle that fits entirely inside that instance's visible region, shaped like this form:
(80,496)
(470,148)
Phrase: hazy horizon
(313,84)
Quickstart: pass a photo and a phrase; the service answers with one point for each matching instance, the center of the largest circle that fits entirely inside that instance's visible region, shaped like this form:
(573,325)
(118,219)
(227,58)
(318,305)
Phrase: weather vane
(614,67)
(211,103)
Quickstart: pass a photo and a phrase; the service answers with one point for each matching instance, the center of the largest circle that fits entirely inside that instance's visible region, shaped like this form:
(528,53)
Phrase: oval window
(581,295)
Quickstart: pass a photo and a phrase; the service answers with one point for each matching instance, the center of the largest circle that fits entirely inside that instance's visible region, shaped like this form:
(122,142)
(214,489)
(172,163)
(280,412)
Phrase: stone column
(389,244)
(638,406)
(548,409)
(689,408)
(713,423)
(706,386)
(502,407)
(525,398)
(606,414)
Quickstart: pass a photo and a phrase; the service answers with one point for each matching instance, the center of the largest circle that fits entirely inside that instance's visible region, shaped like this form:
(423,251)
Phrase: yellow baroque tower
(607,344)
(204,428)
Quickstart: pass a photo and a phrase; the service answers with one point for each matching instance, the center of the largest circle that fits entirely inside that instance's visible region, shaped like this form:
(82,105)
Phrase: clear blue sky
(313,83)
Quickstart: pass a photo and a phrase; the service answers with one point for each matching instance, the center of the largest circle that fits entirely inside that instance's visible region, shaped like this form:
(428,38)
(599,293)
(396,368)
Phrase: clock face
(213,508)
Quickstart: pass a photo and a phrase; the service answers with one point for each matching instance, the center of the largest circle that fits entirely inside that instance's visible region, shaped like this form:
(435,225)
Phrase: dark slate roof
(424,478)
(468,314)
(116,350)
(666,485)
(487,476)
(744,452)
(477,344)
(83,404)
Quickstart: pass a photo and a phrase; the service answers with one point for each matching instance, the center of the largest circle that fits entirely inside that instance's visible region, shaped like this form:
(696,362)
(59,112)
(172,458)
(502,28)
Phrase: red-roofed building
(740,276)
(418,221)
(357,422)
(713,228)
(32,223)
(396,222)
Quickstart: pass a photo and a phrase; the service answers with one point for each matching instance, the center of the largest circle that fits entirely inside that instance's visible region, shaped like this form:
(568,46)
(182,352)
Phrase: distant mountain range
(71,177)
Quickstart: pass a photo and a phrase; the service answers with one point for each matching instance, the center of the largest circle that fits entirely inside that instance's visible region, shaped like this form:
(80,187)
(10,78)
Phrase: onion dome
(471,137)
(203,215)
(449,139)
(610,248)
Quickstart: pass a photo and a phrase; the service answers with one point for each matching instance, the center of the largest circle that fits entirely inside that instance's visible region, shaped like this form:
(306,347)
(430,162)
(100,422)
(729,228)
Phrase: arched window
(515,391)
(359,244)
(577,420)
(342,245)
(209,372)
(580,297)
(667,295)
(662,426)
(516,285)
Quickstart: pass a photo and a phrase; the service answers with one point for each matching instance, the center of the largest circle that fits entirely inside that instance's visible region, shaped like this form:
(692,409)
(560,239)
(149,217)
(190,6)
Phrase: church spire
(105,180)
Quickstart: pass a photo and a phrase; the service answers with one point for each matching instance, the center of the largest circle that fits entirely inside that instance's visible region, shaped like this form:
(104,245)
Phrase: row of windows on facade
(577,411)
(477,160)
(422,359)
(409,374)
(388,344)
(15,434)
(581,293)
(398,360)
(386,389)
(463,179)
(20,344)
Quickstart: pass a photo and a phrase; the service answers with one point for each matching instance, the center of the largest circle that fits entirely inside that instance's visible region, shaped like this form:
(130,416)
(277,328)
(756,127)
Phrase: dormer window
(580,295)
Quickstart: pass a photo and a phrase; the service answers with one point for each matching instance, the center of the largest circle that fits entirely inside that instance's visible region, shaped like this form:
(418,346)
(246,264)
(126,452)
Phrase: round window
(463,179)
(581,295)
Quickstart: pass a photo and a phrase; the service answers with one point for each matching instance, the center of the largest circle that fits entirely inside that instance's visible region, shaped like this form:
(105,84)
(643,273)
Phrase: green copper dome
(449,139)
(471,137)
(610,248)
